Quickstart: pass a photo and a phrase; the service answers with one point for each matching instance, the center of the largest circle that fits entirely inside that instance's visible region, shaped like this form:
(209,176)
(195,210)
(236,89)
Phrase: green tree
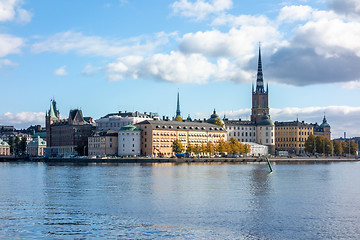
(178,118)
(337,147)
(12,144)
(310,144)
(219,122)
(177,146)
(17,145)
(22,144)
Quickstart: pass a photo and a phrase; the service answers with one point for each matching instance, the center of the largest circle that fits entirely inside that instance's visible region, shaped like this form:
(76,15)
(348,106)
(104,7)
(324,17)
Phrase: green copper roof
(265,121)
(325,123)
(53,112)
(37,142)
(129,128)
(3,144)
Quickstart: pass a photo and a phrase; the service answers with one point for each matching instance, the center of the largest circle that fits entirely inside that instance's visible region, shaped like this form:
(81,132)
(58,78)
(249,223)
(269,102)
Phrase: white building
(114,121)
(129,140)
(258,149)
(261,132)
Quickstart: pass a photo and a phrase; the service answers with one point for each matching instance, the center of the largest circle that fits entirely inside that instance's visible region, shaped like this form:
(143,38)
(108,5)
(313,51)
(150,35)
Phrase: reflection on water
(180,201)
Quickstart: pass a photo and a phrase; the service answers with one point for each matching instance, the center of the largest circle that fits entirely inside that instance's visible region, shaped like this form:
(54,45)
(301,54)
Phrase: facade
(5,136)
(36,147)
(114,121)
(69,136)
(323,130)
(243,131)
(291,136)
(103,143)
(157,136)
(129,141)
(4,148)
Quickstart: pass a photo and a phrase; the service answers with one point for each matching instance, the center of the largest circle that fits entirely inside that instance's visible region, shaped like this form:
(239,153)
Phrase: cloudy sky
(111,55)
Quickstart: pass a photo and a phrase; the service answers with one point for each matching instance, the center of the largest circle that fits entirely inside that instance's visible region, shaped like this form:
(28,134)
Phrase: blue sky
(111,55)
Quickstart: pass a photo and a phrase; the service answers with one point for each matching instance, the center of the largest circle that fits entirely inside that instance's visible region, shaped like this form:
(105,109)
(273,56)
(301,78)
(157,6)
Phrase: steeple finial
(178,113)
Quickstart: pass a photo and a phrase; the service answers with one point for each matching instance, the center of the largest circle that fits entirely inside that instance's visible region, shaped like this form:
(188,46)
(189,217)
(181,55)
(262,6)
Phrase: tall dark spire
(178,113)
(259,79)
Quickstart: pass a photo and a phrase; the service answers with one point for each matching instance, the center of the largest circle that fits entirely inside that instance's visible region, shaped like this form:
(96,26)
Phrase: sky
(135,55)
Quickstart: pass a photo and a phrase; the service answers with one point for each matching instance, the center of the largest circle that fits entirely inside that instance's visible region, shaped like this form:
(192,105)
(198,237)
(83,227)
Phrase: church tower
(51,116)
(260,99)
(178,113)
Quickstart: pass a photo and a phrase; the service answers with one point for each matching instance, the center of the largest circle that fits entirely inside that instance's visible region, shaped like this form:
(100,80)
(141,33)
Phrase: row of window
(291,139)
(290,145)
(293,133)
(242,128)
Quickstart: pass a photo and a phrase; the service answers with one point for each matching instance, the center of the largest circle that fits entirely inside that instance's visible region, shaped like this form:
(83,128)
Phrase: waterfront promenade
(184,160)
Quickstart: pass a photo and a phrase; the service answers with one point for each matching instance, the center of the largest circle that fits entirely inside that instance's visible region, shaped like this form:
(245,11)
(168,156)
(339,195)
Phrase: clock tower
(260,99)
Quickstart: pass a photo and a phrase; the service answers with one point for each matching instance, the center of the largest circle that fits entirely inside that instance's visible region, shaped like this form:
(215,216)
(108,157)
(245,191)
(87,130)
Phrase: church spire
(178,113)
(259,79)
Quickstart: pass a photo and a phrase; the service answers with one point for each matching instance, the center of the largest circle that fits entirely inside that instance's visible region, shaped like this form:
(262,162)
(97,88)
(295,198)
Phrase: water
(189,201)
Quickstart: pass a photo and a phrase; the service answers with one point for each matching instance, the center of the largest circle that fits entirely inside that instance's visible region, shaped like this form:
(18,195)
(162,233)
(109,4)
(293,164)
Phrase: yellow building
(158,136)
(291,136)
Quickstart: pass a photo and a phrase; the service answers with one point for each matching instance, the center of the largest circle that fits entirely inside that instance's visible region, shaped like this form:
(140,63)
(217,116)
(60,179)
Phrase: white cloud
(11,10)
(351,85)
(10,44)
(65,42)
(295,13)
(200,9)
(173,67)
(6,62)
(22,119)
(61,71)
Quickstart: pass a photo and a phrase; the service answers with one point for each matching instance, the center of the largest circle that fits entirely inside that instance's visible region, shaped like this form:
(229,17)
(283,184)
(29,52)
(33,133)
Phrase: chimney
(163,118)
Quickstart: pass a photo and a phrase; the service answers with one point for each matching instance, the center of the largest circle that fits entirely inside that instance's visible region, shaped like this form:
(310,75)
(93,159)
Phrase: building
(323,130)
(4,128)
(260,129)
(103,143)
(69,136)
(129,141)
(157,136)
(215,119)
(114,121)
(260,96)
(36,147)
(4,148)
(291,136)
(258,149)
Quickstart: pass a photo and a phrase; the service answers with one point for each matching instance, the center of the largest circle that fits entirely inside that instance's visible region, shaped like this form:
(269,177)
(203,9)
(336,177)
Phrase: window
(110,139)
(110,145)
(133,139)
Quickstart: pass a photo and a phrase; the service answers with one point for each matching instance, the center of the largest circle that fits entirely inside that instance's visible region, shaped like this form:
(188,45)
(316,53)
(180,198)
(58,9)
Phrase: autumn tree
(218,122)
(234,146)
(210,148)
(177,146)
(189,148)
(337,147)
(178,118)
(221,146)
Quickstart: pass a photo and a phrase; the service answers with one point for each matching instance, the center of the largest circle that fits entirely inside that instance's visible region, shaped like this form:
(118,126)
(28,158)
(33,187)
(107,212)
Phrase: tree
(247,148)
(218,122)
(234,146)
(338,147)
(353,147)
(178,118)
(310,144)
(177,146)
(220,146)
(17,145)
(210,148)
(345,147)
(196,149)
(189,148)
(22,144)
(12,144)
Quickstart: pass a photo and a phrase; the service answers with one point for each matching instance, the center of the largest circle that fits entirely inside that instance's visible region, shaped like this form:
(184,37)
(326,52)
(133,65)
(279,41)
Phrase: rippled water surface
(199,201)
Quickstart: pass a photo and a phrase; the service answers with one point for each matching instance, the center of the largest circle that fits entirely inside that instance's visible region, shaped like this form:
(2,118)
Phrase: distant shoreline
(182,160)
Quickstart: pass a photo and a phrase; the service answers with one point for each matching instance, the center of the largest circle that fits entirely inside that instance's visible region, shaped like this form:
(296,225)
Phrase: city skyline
(134,56)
